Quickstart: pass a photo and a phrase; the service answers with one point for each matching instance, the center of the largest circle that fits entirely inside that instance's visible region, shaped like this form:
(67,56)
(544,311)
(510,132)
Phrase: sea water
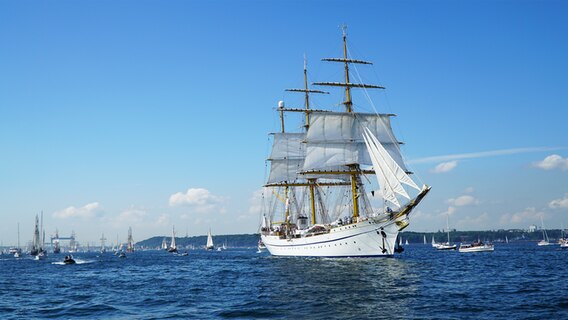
(517,281)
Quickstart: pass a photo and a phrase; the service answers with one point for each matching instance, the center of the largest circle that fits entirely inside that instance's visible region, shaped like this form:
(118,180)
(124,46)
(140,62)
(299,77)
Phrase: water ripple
(519,281)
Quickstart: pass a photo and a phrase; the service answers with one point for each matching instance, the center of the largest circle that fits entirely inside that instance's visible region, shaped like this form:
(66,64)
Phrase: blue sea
(517,281)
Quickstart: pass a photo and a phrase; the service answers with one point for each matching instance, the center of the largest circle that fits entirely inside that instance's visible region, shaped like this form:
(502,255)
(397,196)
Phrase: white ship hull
(480,248)
(446,246)
(362,239)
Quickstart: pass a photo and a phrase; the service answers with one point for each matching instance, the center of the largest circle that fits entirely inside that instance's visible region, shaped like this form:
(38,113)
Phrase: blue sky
(151,114)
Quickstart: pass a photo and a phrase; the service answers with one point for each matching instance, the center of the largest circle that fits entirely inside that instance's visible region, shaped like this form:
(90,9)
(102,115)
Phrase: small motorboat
(477,246)
(69,260)
(446,246)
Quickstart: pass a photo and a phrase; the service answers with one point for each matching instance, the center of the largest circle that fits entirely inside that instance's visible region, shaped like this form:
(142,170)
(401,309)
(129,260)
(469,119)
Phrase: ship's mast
(354,170)
(348,103)
(103,242)
(311,182)
(130,244)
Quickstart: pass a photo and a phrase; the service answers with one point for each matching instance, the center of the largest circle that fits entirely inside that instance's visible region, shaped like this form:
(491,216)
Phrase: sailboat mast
(281,109)
(306,94)
(42,232)
(448,226)
(354,171)
(348,103)
(312,183)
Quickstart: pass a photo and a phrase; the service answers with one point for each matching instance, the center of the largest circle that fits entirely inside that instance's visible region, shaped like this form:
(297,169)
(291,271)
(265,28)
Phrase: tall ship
(103,246)
(130,241)
(56,246)
(339,186)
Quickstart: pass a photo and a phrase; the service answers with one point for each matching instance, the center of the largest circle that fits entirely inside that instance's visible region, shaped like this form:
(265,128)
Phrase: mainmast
(347,84)
(354,170)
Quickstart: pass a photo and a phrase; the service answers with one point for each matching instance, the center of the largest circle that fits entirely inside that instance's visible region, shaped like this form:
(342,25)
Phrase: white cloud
(552,162)
(451,210)
(163,220)
(199,199)
(483,154)
(461,201)
(525,217)
(559,203)
(469,190)
(88,211)
(476,222)
(132,215)
(255,202)
(445,167)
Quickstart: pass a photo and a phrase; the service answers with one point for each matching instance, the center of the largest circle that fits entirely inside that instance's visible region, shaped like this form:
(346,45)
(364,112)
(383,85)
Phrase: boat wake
(77,261)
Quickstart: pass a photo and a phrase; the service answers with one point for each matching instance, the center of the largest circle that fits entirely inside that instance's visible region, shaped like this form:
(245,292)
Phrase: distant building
(532,228)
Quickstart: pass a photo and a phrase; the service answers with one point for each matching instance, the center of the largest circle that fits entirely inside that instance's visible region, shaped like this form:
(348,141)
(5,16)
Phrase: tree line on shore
(251,240)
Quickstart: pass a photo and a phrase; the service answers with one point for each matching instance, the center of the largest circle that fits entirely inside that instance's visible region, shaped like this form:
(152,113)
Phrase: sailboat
(447,245)
(545,241)
(434,244)
(333,159)
(261,247)
(425,239)
(164,244)
(563,242)
(18,250)
(38,240)
(57,247)
(209,245)
(103,247)
(173,247)
(223,246)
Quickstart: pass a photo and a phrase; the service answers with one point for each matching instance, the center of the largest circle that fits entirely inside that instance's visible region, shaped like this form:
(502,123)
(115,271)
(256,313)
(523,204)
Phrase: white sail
(382,178)
(392,165)
(173,242)
(287,157)
(335,139)
(389,174)
(209,241)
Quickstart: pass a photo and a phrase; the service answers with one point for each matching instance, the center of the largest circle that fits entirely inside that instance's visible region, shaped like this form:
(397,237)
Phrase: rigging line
(361,81)
(370,101)
(390,132)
